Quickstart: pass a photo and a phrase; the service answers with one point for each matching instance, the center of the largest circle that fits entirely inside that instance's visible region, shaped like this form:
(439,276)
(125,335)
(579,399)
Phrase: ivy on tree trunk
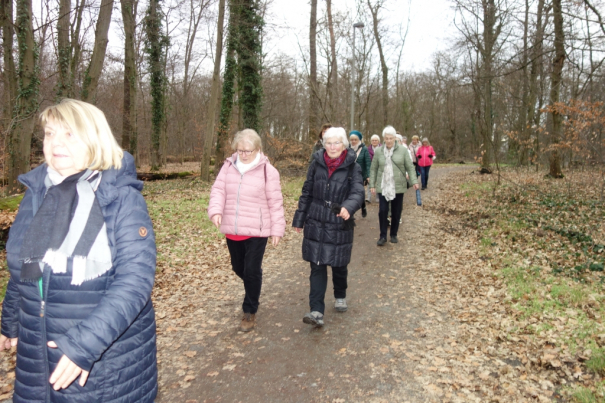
(155,43)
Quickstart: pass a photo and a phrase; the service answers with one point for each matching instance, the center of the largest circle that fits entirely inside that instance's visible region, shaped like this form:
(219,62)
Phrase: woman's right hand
(298,230)
(6,343)
(216,220)
(373,190)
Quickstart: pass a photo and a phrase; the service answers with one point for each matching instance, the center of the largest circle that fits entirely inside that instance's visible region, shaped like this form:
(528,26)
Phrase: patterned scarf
(69,224)
(334,163)
(388,178)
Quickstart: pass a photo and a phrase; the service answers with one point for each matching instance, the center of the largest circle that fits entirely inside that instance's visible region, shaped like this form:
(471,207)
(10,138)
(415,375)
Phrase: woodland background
(522,85)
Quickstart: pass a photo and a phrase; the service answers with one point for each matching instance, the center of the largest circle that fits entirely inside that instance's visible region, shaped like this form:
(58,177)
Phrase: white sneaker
(340,305)
(314,318)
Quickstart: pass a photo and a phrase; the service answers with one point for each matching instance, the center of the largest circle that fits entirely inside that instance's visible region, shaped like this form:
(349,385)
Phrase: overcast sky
(430,28)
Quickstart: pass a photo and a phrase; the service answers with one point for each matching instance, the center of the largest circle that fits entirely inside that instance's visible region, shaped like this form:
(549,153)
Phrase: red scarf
(334,163)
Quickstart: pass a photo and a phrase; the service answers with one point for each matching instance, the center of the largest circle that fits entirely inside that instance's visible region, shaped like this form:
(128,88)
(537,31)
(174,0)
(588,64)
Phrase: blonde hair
(248,135)
(87,123)
(415,138)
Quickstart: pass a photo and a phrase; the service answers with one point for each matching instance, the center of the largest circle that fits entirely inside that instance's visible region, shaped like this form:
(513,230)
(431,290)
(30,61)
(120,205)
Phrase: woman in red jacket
(425,156)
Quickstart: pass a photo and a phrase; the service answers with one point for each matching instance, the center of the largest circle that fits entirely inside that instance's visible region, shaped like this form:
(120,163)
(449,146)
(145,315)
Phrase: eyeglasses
(245,152)
(336,144)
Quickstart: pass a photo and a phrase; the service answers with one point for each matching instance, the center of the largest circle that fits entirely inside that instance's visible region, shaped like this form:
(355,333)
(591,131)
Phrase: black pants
(417,168)
(383,214)
(246,261)
(319,282)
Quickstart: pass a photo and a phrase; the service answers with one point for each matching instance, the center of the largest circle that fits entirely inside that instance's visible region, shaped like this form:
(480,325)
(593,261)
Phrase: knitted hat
(356,133)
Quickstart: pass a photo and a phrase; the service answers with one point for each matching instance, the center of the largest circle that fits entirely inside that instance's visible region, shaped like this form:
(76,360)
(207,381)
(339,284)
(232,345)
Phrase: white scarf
(388,179)
(243,168)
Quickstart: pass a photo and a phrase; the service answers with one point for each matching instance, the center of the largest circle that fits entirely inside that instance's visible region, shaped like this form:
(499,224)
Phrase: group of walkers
(82,255)
(246,205)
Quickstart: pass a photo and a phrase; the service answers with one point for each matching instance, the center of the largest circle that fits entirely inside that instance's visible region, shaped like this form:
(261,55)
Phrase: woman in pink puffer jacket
(425,155)
(246,204)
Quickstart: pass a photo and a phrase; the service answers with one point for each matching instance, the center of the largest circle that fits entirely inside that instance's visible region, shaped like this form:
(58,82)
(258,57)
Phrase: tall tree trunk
(523,124)
(129,119)
(76,48)
(214,95)
(249,53)
(91,77)
(9,74)
(155,51)
(26,104)
(555,90)
(383,64)
(228,91)
(64,89)
(333,79)
(536,63)
(313,89)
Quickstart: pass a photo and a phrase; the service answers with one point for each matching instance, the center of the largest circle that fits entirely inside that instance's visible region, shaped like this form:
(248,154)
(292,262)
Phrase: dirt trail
(375,352)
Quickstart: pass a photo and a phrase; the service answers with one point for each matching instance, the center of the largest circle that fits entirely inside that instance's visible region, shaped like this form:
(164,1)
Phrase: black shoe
(423,188)
(394,239)
(381,242)
(364,212)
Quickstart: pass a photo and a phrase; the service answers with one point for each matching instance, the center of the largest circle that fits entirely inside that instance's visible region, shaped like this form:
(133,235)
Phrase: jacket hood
(111,179)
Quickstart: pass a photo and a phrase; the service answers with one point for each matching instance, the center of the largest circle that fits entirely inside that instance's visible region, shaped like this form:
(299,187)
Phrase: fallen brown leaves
(515,341)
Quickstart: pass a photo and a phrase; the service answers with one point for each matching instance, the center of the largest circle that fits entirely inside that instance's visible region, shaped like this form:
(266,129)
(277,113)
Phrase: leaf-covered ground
(494,293)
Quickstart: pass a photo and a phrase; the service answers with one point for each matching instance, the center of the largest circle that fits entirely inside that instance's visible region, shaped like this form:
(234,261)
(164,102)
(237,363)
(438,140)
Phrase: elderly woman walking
(426,156)
(414,147)
(363,160)
(374,144)
(331,194)
(246,204)
(388,180)
(81,254)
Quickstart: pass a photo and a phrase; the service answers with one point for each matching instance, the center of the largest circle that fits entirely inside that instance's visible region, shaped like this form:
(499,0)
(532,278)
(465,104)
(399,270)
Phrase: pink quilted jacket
(251,204)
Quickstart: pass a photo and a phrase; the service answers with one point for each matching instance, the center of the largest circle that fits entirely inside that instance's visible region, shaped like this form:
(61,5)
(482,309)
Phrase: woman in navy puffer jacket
(84,325)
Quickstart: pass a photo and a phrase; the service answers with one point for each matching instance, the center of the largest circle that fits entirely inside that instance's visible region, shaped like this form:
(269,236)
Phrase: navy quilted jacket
(106,325)
(325,241)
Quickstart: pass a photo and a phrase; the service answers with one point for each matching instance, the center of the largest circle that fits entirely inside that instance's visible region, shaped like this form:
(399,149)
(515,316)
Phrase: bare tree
(129,120)
(555,89)
(313,87)
(374,9)
(214,94)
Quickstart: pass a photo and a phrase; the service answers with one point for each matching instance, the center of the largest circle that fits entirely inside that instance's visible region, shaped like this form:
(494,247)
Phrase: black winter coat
(325,241)
(105,325)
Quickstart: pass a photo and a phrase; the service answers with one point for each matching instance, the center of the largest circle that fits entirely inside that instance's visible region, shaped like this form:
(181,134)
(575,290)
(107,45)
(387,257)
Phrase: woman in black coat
(81,254)
(331,194)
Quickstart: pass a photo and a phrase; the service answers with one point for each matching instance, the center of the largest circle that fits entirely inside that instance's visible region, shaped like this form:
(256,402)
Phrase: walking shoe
(340,305)
(381,242)
(314,318)
(423,188)
(364,212)
(247,322)
(394,239)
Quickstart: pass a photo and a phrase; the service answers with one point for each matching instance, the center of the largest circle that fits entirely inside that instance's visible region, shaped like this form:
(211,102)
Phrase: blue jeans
(424,173)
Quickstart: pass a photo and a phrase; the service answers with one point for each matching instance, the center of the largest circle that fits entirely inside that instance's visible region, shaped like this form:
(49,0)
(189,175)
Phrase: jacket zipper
(43,293)
(323,221)
(241,178)
(261,218)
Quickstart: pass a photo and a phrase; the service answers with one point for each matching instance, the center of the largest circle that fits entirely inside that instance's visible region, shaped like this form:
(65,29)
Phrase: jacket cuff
(299,219)
(74,352)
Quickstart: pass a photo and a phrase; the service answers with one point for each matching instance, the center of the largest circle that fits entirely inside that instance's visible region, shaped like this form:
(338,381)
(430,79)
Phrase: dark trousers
(383,214)
(246,261)
(424,172)
(318,280)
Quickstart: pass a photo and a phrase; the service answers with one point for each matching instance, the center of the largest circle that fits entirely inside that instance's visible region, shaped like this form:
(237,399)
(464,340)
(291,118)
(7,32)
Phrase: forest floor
(493,294)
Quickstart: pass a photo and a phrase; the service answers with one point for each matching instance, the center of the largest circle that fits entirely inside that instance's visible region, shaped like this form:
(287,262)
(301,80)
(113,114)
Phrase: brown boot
(247,322)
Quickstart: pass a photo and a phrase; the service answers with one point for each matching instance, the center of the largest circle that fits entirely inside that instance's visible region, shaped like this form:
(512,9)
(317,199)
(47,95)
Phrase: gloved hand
(420,156)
